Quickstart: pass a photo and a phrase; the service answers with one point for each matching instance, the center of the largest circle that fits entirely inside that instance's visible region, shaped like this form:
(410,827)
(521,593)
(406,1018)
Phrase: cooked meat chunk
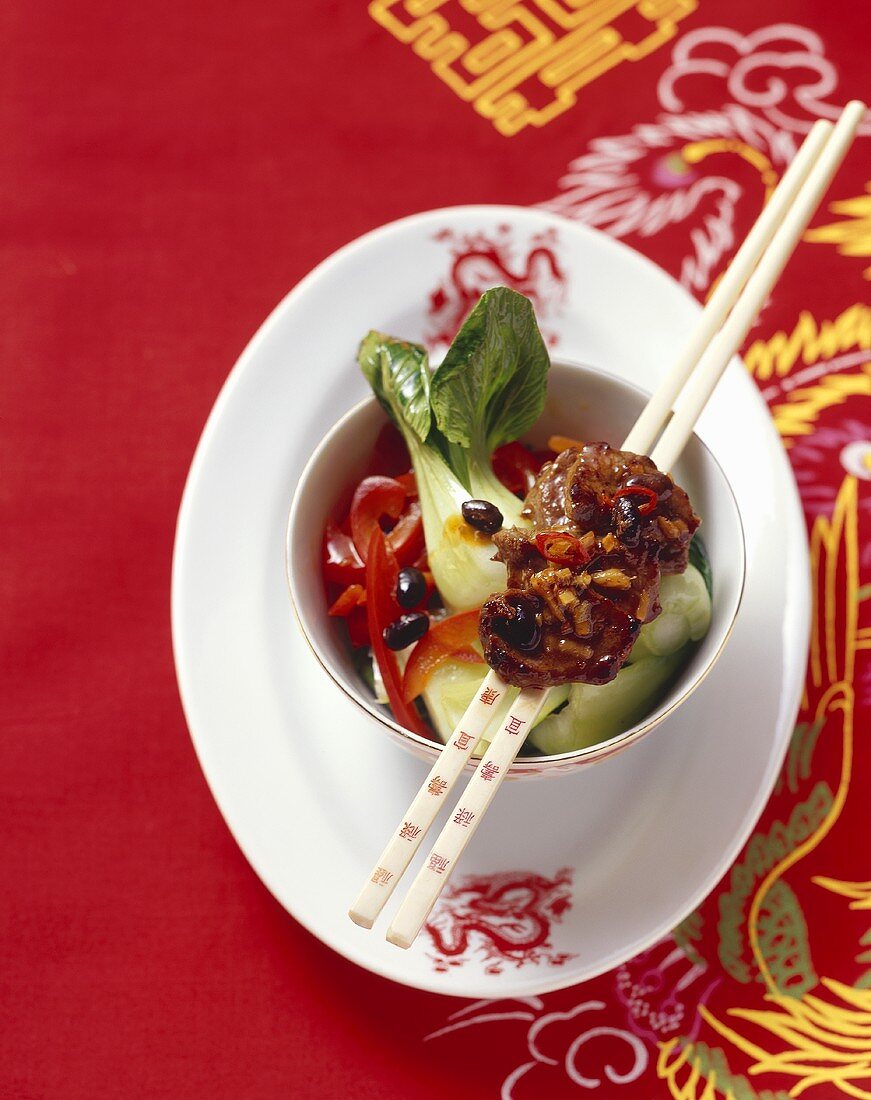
(516,547)
(605,525)
(590,488)
(545,504)
(549,657)
(629,579)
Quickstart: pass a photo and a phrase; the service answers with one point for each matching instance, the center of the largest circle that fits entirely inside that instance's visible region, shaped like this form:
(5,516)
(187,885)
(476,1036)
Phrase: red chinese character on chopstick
(381,876)
(513,724)
(463,740)
(463,817)
(488,696)
(438,863)
(437,786)
(489,771)
(409,831)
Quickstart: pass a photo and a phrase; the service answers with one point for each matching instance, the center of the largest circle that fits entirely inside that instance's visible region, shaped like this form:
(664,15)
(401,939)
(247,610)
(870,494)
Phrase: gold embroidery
(809,341)
(853,234)
(818,1040)
(526,60)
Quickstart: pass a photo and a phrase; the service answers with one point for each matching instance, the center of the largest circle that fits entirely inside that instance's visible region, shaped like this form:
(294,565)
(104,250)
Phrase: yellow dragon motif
(825,1037)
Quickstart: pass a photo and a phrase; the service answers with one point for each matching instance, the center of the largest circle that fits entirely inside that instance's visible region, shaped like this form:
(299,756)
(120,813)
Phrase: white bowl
(582,403)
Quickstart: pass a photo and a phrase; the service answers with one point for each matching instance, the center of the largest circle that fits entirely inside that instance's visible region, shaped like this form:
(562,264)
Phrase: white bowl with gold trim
(582,403)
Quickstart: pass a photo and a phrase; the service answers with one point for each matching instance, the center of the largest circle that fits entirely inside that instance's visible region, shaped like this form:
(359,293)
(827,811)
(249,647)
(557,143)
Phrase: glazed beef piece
(523,643)
(629,579)
(545,504)
(584,577)
(592,485)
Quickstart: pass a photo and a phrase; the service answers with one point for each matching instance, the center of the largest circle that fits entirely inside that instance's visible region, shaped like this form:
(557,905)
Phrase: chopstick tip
(855,109)
(360,919)
(398,940)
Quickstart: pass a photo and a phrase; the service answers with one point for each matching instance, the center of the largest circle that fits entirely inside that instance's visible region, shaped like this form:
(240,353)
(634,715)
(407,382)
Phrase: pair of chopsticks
(721,329)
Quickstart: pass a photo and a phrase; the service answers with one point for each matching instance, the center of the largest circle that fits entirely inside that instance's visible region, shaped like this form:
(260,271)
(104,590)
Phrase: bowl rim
(559,762)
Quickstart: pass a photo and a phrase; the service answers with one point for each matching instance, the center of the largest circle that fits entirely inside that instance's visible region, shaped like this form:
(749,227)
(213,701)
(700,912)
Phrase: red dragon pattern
(504,919)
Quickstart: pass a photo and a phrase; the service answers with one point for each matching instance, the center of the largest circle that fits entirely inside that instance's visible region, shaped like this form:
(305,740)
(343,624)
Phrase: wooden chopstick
(658,408)
(452,840)
(419,816)
(759,263)
(752,298)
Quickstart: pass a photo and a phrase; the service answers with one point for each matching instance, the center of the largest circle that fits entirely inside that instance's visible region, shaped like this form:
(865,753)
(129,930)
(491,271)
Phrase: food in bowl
(575,568)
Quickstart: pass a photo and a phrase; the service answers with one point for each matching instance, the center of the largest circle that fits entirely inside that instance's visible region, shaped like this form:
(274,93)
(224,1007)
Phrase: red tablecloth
(168,172)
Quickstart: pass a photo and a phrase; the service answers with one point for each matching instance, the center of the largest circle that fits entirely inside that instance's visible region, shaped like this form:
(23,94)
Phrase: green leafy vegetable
(490,389)
(462,567)
(399,375)
(699,558)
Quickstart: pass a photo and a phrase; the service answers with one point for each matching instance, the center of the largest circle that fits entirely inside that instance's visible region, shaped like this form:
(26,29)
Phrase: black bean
(627,521)
(518,624)
(482,515)
(406,630)
(410,587)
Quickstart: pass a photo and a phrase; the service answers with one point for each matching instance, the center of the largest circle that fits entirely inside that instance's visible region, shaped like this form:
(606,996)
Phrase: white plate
(601,863)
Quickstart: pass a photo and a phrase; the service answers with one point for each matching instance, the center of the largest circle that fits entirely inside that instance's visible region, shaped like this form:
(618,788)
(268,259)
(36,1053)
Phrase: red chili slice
(561,548)
(650,495)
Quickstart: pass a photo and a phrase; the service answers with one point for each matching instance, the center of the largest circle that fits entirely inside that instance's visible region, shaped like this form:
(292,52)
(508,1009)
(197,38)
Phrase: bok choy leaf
(460,560)
(489,390)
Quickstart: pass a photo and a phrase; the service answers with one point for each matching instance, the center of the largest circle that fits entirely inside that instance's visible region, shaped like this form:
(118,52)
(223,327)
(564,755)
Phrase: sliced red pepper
(449,639)
(406,538)
(650,495)
(341,562)
(408,482)
(353,596)
(357,623)
(390,454)
(561,548)
(516,467)
(374,498)
(560,443)
(382,609)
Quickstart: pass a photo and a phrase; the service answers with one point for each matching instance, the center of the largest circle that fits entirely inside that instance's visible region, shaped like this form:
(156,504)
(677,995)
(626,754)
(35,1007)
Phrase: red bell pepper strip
(341,562)
(390,454)
(408,482)
(560,443)
(449,639)
(517,467)
(357,623)
(406,538)
(382,569)
(374,498)
(353,596)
